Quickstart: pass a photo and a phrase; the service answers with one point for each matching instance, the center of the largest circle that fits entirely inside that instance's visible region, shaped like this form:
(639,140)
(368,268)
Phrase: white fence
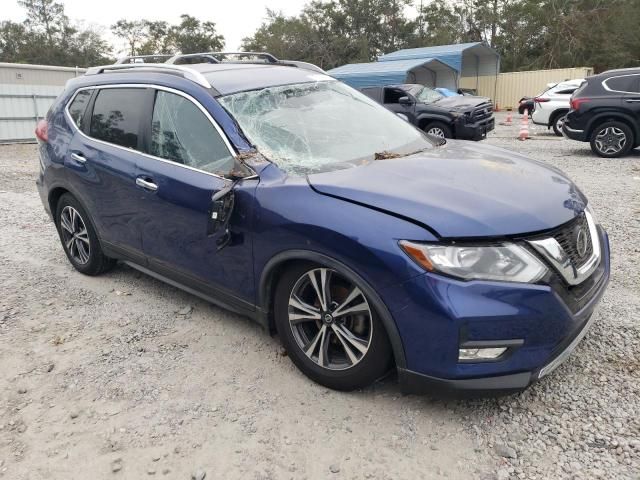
(26,93)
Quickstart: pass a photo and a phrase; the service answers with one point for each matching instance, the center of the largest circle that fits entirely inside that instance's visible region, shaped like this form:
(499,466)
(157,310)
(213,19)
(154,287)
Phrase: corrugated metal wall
(511,87)
(26,93)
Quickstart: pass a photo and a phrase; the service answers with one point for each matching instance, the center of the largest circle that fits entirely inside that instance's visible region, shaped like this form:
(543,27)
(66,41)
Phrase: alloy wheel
(560,123)
(436,132)
(610,140)
(330,319)
(74,235)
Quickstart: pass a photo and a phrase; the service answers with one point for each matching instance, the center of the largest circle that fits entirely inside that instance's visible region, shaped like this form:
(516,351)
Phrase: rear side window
(116,116)
(180,132)
(78,106)
(566,91)
(627,83)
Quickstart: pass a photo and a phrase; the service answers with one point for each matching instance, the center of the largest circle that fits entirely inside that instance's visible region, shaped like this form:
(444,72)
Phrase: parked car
(526,103)
(552,105)
(462,117)
(287,196)
(605,111)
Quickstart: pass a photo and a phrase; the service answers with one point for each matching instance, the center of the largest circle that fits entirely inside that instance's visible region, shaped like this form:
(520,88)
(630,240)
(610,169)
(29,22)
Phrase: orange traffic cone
(524,126)
(509,120)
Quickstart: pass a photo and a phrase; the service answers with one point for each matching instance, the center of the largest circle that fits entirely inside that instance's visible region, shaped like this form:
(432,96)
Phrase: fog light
(470,354)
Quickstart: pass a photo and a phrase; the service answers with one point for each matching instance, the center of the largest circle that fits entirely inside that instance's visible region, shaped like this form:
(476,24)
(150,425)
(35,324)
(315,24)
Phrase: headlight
(506,262)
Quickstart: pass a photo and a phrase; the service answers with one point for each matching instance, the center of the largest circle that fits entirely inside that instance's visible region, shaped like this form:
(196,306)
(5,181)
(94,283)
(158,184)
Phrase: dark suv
(465,117)
(605,111)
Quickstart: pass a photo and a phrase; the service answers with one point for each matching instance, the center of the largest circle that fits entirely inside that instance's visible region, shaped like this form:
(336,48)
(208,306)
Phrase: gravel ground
(122,376)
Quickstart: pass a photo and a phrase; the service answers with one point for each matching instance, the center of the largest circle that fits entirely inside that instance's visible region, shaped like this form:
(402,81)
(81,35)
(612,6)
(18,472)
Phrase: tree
(48,37)
(158,38)
(45,17)
(133,32)
(192,36)
(13,41)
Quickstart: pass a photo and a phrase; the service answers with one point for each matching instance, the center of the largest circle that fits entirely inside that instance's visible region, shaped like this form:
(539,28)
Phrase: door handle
(632,100)
(78,157)
(146,184)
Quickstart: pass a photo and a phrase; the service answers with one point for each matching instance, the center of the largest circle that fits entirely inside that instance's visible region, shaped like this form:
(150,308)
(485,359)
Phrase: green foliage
(48,37)
(148,37)
(193,36)
(528,34)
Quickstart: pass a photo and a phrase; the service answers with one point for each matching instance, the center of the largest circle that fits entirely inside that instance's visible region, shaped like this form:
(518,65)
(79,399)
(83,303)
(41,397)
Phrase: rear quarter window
(117,114)
(626,83)
(78,106)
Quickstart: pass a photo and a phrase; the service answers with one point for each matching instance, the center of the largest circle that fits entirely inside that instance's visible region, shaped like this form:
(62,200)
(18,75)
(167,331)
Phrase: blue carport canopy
(474,59)
(426,71)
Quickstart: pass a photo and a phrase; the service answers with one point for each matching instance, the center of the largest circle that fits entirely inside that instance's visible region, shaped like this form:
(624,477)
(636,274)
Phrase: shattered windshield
(322,126)
(427,95)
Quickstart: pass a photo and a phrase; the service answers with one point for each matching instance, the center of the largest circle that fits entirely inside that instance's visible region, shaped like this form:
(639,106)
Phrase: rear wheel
(612,139)
(329,328)
(558,122)
(438,129)
(79,239)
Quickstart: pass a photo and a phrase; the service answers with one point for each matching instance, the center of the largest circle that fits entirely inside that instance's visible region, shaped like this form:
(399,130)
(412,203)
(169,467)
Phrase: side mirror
(220,211)
(405,101)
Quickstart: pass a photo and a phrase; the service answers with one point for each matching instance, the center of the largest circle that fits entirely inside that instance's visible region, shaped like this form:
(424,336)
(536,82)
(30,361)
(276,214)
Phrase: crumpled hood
(461,102)
(461,189)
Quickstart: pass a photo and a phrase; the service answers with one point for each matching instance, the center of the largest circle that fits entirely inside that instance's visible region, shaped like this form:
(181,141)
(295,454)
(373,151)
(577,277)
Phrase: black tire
(612,139)
(95,262)
(557,122)
(371,366)
(444,128)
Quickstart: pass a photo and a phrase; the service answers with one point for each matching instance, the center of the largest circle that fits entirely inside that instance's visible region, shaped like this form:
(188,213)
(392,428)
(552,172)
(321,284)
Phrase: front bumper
(437,314)
(474,131)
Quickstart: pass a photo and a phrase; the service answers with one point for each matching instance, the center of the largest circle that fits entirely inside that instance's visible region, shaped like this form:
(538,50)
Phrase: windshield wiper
(386,155)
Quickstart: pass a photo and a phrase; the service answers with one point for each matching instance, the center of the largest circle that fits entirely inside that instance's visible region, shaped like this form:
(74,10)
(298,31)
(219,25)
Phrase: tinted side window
(392,95)
(78,106)
(623,84)
(567,91)
(180,132)
(116,116)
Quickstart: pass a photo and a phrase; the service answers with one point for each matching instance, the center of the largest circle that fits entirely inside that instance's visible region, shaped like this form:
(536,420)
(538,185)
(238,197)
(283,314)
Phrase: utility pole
(420,25)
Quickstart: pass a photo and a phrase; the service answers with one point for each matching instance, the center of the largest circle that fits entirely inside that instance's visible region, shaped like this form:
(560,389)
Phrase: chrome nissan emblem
(581,242)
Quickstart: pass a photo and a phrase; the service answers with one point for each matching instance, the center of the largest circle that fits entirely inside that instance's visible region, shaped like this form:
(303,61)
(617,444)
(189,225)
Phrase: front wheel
(438,129)
(329,328)
(612,139)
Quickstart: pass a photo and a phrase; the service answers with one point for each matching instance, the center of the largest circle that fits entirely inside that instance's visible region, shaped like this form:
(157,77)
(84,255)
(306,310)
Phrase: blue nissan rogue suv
(280,193)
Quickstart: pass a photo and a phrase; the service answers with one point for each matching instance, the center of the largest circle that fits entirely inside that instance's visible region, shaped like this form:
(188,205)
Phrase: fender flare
(613,115)
(71,191)
(434,118)
(267,285)
(556,113)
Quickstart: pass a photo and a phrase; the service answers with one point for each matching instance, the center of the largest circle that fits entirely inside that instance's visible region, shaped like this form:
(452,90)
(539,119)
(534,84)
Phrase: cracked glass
(321,126)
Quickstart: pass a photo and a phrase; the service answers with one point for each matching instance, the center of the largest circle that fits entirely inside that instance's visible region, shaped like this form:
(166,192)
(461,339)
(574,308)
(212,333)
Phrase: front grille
(482,112)
(567,235)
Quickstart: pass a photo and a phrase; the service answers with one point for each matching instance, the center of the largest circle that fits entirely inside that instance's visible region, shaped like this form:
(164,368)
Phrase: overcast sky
(235,19)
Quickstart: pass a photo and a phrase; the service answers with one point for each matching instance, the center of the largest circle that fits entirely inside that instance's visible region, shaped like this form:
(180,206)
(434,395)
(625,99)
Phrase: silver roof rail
(218,57)
(141,58)
(188,73)
(215,56)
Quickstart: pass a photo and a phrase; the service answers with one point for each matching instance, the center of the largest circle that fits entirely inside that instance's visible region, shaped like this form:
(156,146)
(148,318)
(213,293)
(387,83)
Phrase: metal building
(426,71)
(26,93)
